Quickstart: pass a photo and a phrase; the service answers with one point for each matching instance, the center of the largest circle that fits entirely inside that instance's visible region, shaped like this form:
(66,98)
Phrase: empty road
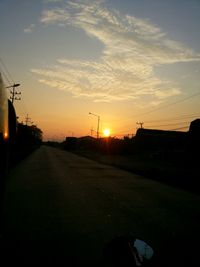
(62,209)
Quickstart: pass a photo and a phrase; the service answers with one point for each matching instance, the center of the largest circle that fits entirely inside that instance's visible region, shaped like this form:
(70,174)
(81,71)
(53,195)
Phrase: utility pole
(27,120)
(141,124)
(98,122)
(14,92)
(92,130)
(71,133)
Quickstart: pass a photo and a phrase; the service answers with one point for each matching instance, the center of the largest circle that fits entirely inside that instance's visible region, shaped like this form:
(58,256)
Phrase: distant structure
(70,143)
(195,127)
(27,120)
(151,139)
(194,136)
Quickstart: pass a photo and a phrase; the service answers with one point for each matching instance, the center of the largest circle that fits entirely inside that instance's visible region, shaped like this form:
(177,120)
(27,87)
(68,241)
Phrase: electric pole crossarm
(14,93)
(140,123)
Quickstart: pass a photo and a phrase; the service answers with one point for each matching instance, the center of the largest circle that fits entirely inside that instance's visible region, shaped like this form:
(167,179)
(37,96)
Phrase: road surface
(62,209)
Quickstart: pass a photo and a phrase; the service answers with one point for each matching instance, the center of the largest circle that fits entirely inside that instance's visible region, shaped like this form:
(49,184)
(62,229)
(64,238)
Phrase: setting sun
(106,132)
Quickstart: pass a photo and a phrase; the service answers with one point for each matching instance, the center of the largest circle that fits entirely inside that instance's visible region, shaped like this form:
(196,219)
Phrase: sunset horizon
(132,63)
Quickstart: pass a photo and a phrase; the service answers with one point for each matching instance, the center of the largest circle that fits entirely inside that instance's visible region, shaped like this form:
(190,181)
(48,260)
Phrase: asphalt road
(62,209)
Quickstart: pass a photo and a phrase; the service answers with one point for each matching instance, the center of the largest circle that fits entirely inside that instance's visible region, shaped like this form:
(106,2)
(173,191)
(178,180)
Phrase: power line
(22,107)
(166,106)
(184,116)
(7,75)
(120,133)
(171,104)
(175,118)
(169,124)
(181,128)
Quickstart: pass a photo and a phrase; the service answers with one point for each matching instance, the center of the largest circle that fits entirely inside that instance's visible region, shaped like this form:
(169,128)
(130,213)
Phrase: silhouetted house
(70,143)
(194,136)
(86,139)
(150,139)
(87,143)
(195,127)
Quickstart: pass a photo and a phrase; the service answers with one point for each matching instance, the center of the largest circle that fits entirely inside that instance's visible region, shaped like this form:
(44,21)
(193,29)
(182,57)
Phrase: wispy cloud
(133,47)
(55,16)
(29,29)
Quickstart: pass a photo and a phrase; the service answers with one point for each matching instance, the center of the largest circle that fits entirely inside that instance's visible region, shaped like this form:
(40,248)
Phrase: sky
(128,62)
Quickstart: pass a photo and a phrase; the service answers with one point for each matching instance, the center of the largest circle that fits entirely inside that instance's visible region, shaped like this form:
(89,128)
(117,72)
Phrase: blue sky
(119,59)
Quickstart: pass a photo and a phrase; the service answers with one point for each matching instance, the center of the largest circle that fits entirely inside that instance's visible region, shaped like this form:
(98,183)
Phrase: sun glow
(5,135)
(106,132)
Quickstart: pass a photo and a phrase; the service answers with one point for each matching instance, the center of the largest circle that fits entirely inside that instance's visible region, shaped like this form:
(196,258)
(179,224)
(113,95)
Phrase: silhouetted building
(150,139)
(70,143)
(194,136)
(195,127)
(87,142)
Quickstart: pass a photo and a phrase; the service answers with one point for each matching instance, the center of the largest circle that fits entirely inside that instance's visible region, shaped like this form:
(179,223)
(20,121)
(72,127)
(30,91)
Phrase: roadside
(179,173)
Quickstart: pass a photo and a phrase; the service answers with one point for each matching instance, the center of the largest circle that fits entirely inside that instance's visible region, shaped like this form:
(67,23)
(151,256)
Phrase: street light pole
(98,122)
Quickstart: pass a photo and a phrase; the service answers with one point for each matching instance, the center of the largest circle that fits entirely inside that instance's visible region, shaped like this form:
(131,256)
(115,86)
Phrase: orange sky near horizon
(129,62)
